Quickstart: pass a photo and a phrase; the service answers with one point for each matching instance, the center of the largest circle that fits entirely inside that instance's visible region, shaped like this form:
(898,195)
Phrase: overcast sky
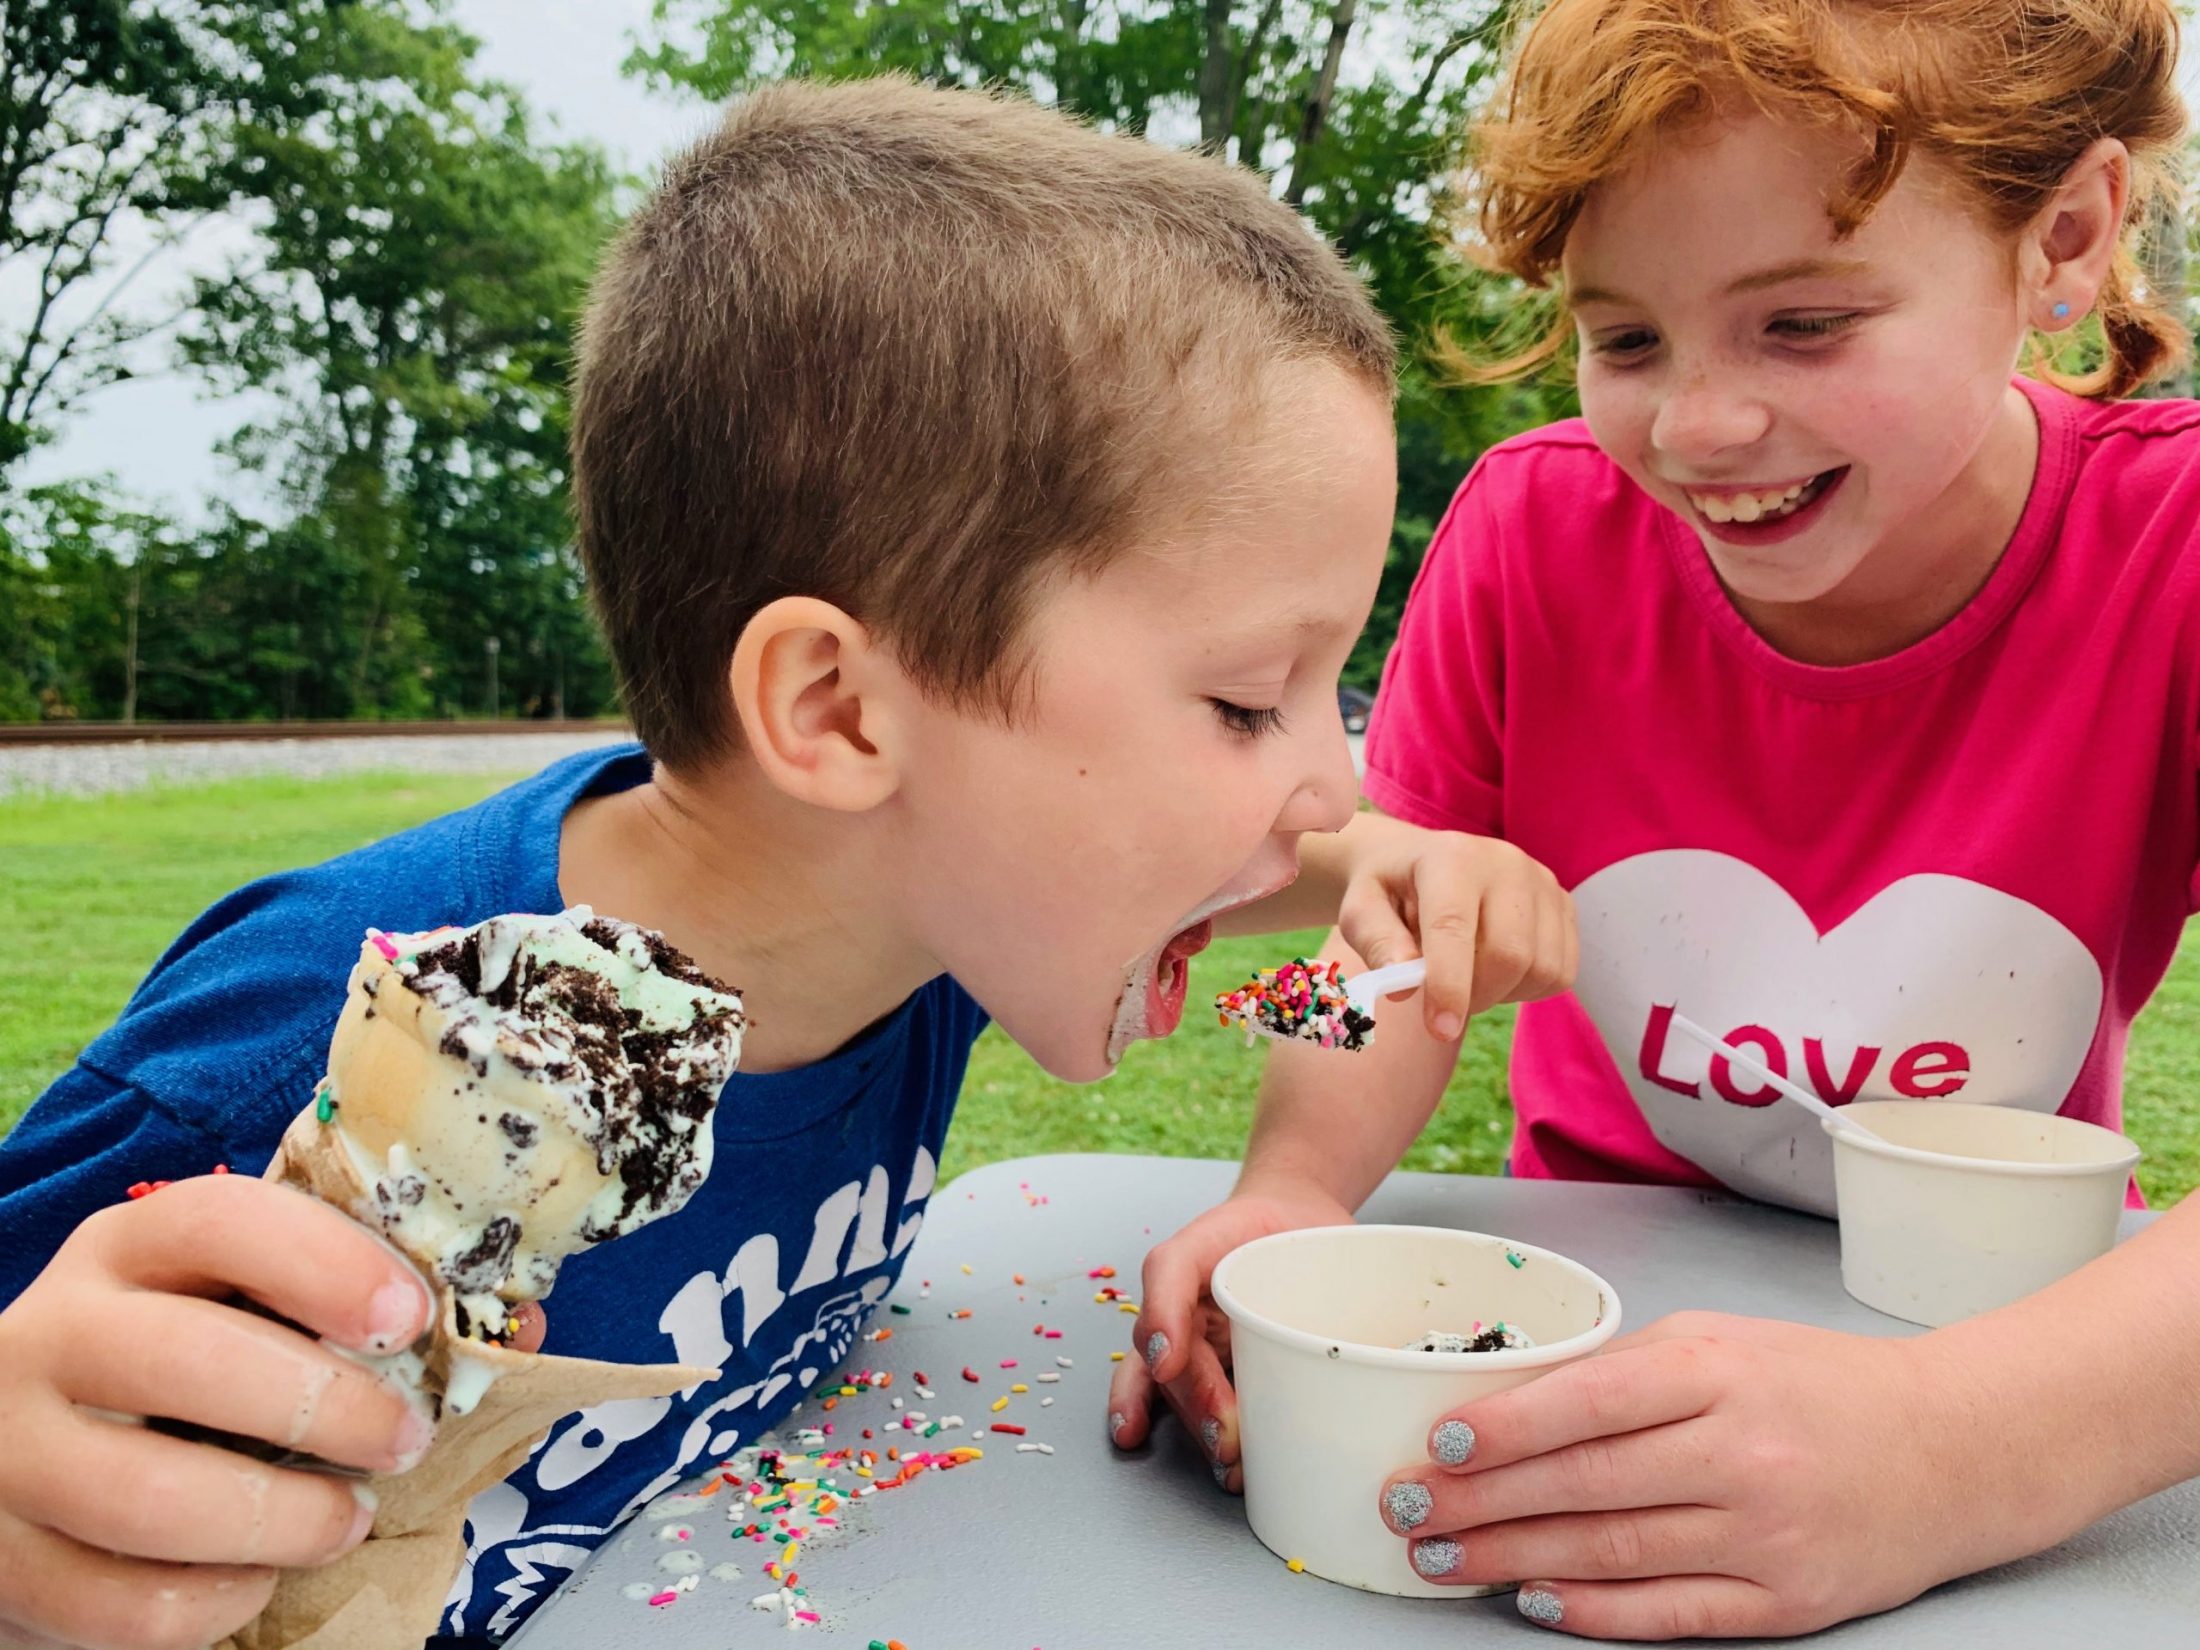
(157,434)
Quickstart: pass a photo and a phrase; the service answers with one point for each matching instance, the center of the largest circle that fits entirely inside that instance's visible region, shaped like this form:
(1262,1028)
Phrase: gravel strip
(89,770)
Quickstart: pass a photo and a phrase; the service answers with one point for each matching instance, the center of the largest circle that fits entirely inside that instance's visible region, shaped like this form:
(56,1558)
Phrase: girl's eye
(1246,721)
(1813,326)
(1617,344)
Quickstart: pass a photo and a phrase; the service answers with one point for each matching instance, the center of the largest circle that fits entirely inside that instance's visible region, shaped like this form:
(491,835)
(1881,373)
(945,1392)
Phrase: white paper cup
(1330,1406)
(1960,1208)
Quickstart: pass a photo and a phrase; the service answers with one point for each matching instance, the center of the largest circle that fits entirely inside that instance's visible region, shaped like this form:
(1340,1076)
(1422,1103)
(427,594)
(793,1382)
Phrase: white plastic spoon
(1765,1074)
(1364,991)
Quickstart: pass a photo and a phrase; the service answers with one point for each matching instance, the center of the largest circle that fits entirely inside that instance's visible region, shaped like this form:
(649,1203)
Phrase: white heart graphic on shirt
(1965,992)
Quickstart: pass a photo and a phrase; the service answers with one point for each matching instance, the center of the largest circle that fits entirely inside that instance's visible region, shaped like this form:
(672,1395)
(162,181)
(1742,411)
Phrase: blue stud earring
(2062,312)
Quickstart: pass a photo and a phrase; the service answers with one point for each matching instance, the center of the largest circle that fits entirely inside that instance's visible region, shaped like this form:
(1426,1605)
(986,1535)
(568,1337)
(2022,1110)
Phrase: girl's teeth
(1747,507)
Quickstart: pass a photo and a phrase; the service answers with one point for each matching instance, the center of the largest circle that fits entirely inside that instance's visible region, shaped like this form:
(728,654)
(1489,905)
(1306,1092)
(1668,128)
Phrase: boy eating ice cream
(980,510)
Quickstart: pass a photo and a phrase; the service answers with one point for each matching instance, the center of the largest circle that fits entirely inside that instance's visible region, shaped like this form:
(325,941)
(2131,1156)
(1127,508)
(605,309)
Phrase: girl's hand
(1716,1477)
(115,1534)
(1495,926)
(1180,1348)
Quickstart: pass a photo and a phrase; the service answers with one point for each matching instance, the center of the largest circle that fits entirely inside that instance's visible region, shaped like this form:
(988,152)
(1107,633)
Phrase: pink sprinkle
(665,1597)
(807,1615)
(383,944)
(1008,1363)
(1054,1334)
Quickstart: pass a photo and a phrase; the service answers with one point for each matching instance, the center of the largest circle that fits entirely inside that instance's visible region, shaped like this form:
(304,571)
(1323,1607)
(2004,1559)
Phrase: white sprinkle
(1049,1376)
(1065,1363)
(980,1433)
(924,1392)
(764,1601)
(913,1417)
(1034,1449)
(948,1423)
(687,1584)
(1044,1402)
(897,1403)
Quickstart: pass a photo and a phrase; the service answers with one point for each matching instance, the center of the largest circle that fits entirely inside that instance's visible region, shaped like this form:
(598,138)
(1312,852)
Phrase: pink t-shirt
(1960,870)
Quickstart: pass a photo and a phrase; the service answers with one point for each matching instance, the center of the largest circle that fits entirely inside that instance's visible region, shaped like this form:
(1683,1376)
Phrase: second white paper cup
(1957,1209)
(1329,1403)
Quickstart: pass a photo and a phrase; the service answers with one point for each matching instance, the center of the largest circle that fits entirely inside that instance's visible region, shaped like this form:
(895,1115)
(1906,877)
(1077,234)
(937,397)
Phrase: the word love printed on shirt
(1923,1071)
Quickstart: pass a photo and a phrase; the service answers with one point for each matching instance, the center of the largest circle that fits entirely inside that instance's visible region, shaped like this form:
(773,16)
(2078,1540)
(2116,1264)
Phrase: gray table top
(1087,1547)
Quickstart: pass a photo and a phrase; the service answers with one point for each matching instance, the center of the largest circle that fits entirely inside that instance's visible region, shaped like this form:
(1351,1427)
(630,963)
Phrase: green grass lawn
(94,889)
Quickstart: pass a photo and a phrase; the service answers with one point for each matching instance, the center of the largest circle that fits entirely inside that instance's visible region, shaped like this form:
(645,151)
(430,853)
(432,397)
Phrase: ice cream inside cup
(1334,1395)
(1958,1208)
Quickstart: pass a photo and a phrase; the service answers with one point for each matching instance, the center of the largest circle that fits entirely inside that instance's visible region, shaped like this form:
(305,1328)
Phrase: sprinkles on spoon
(1300,1002)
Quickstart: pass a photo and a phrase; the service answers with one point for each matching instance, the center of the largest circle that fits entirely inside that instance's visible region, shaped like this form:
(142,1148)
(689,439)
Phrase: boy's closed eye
(1248,721)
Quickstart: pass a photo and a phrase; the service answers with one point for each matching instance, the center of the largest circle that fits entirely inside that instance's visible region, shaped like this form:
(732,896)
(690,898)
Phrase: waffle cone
(387,1593)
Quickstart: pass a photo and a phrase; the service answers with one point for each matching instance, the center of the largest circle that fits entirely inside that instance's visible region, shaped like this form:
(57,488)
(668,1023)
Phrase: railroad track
(131,733)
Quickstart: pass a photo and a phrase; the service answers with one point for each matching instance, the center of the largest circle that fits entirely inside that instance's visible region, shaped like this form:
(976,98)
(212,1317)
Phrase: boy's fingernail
(1210,1433)
(397,1314)
(1157,1348)
(414,1434)
(364,1520)
(1449,1025)
(1542,1606)
(1409,1503)
(1437,1557)
(1452,1443)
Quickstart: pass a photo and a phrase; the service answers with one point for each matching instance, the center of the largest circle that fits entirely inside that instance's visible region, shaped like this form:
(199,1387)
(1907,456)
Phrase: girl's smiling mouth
(1750,516)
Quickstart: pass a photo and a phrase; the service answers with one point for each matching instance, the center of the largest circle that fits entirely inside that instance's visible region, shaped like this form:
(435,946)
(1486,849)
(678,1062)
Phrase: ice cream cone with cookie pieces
(497,1098)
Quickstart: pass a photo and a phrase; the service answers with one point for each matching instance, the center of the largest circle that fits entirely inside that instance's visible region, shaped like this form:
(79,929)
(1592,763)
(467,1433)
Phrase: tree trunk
(1217,70)
(1319,100)
(130,648)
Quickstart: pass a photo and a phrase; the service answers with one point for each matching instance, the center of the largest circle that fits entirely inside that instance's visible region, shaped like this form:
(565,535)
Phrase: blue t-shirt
(819,1183)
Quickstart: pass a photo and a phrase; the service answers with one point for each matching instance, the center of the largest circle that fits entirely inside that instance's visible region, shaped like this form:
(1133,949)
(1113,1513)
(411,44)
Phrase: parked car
(1354,705)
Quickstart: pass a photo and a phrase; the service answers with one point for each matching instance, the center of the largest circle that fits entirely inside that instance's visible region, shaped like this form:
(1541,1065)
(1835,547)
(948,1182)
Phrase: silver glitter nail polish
(1541,1605)
(1452,1443)
(1157,1348)
(1409,1503)
(1210,1433)
(1222,1474)
(1116,1423)
(1437,1557)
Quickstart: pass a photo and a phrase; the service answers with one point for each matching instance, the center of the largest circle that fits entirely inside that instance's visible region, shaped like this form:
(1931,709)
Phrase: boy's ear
(2070,247)
(816,694)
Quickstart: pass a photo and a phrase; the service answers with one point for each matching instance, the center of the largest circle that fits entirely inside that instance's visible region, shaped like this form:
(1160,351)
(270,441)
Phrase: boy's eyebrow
(1311,623)
(1799,269)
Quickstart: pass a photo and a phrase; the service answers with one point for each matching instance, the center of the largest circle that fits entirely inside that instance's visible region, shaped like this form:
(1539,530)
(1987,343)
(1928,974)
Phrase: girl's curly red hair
(2005,93)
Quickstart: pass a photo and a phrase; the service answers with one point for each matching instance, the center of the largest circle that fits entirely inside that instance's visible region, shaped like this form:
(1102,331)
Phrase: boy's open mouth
(1171,979)
(1155,985)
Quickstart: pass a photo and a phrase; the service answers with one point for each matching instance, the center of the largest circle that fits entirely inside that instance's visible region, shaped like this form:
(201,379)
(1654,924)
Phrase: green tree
(422,256)
(79,571)
(109,112)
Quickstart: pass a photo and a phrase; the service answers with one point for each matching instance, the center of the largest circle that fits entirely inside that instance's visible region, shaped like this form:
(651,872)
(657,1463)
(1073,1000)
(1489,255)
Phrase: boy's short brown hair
(907,350)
